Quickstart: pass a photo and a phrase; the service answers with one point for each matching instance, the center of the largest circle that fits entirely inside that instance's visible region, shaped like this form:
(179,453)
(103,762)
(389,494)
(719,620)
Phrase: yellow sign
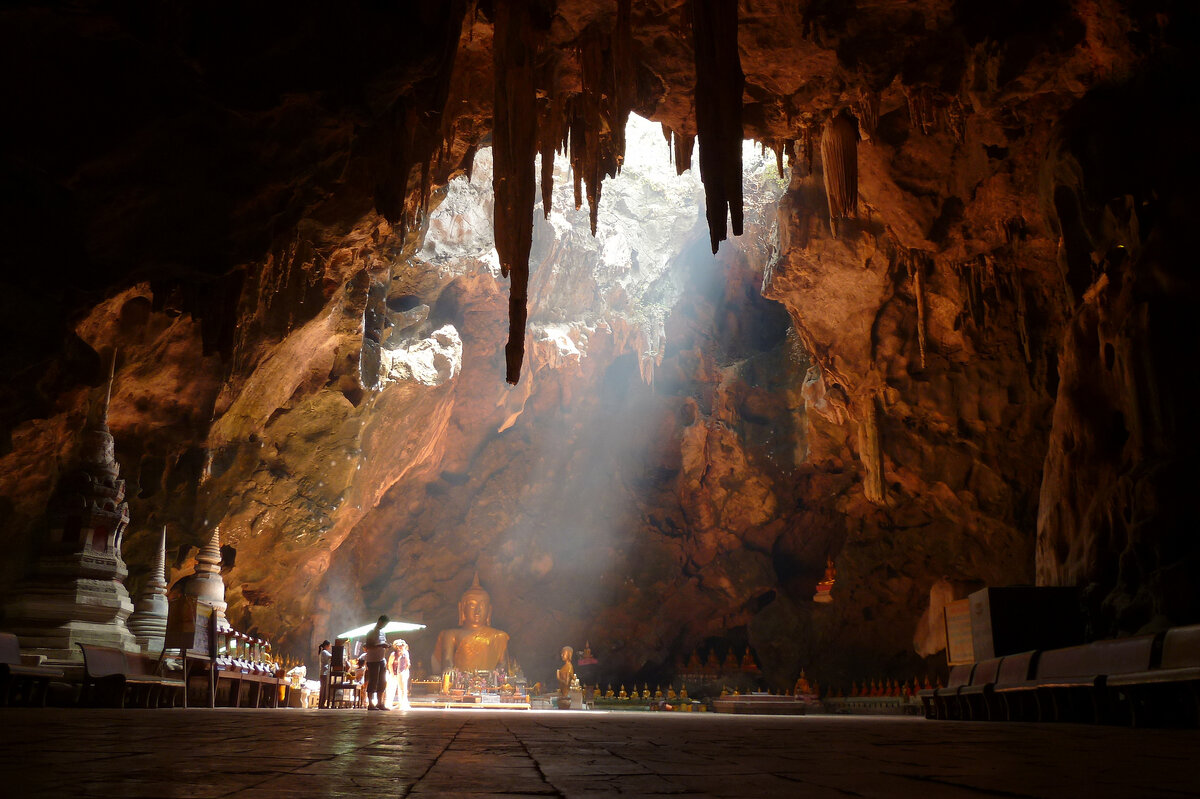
(959,646)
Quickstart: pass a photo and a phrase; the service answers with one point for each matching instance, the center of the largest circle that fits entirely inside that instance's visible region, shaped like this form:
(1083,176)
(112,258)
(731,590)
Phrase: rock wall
(959,358)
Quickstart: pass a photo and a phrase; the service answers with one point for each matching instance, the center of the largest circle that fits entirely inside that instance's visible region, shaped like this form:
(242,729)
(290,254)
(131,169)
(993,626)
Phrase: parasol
(390,627)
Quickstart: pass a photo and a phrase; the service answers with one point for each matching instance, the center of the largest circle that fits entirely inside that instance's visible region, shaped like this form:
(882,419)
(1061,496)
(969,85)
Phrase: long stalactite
(719,85)
(514,146)
(839,158)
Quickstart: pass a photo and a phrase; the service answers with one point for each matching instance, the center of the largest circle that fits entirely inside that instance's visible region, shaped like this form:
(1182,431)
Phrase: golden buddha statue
(825,586)
(473,645)
(566,672)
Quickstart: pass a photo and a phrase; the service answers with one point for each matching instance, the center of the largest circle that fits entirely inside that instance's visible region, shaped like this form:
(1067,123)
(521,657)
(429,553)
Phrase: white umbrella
(390,627)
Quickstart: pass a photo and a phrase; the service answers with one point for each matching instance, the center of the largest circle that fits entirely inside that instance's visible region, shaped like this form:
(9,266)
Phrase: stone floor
(351,753)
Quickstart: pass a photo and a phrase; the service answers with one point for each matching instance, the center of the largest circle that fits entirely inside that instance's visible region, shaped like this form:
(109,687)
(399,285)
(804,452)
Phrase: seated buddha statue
(473,645)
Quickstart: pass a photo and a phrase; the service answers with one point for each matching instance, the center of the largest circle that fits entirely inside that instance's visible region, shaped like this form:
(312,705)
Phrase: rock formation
(978,372)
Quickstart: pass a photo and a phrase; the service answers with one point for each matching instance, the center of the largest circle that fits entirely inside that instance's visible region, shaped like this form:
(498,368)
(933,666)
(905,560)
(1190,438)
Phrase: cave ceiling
(337,250)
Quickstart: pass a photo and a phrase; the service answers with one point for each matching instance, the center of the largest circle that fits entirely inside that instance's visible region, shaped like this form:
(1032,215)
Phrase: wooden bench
(942,703)
(19,680)
(1069,683)
(260,690)
(973,698)
(1176,671)
(1014,670)
(112,676)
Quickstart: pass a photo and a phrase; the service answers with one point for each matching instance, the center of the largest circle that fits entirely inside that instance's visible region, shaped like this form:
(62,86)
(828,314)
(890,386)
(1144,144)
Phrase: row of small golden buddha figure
(712,667)
(890,687)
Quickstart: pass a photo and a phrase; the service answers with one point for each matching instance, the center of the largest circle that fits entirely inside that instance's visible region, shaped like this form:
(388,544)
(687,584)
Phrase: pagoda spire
(149,620)
(112,371)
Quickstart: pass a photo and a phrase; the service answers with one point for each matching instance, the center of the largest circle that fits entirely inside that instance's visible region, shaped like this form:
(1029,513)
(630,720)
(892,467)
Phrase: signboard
(960,646)
(189,626)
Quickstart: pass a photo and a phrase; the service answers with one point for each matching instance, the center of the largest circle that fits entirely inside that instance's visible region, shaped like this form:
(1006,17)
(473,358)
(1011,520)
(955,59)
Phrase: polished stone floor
(265,754)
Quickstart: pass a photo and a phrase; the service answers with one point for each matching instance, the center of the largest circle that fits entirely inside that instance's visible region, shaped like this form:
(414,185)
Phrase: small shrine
(75,592)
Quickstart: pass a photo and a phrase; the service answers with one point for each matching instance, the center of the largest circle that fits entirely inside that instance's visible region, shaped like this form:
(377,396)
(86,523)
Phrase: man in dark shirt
(376,651)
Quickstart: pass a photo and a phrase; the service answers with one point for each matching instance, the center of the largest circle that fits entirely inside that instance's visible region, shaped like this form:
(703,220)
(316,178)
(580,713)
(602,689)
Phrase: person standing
(376,651)
(398,668)
(325,656)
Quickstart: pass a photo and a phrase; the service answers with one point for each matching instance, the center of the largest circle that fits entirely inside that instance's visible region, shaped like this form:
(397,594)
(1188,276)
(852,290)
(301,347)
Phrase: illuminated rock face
(979,377)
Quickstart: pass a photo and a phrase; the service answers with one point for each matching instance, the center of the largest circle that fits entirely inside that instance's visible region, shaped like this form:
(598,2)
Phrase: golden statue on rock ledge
(473,645)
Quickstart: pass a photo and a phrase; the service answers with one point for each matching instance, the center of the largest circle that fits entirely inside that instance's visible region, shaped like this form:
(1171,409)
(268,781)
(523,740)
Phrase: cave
(650,316)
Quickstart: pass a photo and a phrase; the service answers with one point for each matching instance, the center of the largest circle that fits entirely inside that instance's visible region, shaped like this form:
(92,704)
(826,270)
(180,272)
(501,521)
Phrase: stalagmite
(514,145)
(872,452)
(839,157)
(719,85)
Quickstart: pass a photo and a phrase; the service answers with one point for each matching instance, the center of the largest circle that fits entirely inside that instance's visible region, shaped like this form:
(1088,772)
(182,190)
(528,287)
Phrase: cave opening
(580,471)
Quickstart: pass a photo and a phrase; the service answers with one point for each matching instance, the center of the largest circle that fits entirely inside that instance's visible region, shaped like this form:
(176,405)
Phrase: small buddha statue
(608,694)
(802,686)
(658,694)
(623,694)
(825,586)
(566,672)
(671,695)
(683,691)
(473,645)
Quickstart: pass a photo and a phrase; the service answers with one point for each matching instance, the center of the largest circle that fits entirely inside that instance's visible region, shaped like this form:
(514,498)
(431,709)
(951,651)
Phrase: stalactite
(413,128)
(550,136)
(1022,320)
(778,147)
(918,275)
(956,119)
(591,58)
(872,452)
(921,111)
(719,86)
(514,146)
(624,79)
(683,152)
(868,113)
(468,161)
(839,158)
(808,148)
(679,148)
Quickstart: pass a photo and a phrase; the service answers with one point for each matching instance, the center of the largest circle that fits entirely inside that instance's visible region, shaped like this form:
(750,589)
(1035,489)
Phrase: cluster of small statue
(645,693)
(890,687)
